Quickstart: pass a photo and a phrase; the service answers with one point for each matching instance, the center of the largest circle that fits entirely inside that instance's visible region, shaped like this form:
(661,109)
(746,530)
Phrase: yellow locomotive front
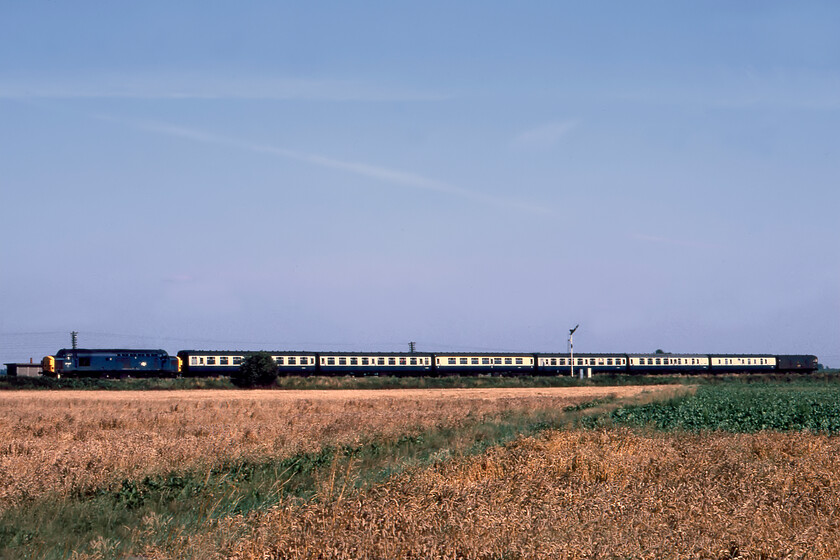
(48,365)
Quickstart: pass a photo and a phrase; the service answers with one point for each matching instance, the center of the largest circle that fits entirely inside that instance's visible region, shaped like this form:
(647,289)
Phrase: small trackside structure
(23,370)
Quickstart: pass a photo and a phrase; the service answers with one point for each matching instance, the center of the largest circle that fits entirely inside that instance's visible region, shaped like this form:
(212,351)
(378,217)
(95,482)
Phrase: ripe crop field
(585,494)
(69,441)
(575,472)
(76,465)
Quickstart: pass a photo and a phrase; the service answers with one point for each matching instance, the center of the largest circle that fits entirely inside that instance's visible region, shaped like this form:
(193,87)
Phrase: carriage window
(402,361)
(519,361)
(292,360)
(609,361)
(554,361)
(211,360)
(413,361)
(364,361)
(497,361)
(193,361)
(279,360)
(463,361)
(354,361)
(485,361)
(508,361)
(380,361)
(223,361)
(451,361)
(392,361)
(474,361)
(331,361)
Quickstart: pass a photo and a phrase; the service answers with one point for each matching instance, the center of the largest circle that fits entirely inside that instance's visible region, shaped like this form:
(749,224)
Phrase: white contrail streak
(384,174)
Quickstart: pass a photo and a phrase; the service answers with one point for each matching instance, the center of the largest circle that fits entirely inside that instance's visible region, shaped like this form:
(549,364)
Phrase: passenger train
(200,363)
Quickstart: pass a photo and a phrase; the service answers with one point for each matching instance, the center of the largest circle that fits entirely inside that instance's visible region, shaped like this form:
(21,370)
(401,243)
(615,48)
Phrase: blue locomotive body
(83,362)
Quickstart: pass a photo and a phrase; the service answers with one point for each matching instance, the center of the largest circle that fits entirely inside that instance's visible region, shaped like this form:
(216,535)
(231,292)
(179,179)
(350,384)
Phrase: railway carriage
(653,364)
(374,363)
(793,363)
(210,363)
(483,363)
(742,363)
(561,364)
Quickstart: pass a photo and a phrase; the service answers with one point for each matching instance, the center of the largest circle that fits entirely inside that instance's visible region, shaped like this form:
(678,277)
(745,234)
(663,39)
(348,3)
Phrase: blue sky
(470,176)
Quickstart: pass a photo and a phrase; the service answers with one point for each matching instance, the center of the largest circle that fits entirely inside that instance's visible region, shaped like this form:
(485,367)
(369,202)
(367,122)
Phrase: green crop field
(740,408)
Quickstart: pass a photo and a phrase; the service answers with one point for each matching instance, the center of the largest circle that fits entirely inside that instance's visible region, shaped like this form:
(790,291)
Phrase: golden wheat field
(578,494)
(58,442)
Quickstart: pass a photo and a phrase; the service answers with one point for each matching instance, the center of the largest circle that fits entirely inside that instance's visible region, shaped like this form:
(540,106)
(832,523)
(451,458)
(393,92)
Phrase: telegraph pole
(411,346)
(73,338)
(572,351)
